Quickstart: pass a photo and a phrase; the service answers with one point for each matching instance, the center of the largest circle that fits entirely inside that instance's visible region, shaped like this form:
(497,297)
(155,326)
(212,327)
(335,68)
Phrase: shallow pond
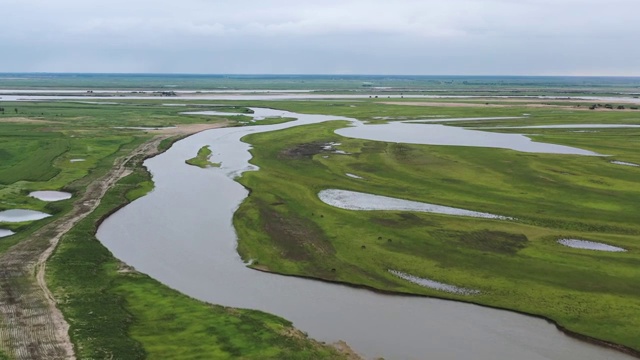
(436,134)
(20,215)
(589,245)
(49,195)
(77,160)
(182,235)
(624,163)
(5,233)
(432,284)
(352,200)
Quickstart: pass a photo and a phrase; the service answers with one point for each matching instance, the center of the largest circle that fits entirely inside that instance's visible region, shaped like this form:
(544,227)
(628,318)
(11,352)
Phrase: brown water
(182,235)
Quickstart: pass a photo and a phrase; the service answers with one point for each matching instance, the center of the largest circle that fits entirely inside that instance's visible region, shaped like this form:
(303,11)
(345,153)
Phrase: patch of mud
(308,150)
(5,233)
(20,215)
(434,284)
(589,245)
(352,200)
(304,151)
(50,195)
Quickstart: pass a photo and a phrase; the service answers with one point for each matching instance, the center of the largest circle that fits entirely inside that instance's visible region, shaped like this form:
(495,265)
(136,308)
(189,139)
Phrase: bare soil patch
(303,151)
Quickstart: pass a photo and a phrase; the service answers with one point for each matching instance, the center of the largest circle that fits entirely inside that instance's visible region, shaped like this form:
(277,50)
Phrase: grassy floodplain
(117,312)
(515,264)
(114,311)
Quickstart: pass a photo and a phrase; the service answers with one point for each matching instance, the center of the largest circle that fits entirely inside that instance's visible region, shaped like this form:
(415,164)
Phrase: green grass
(202,159)
(115,313)
(118,313)
(32,157)
(515,264)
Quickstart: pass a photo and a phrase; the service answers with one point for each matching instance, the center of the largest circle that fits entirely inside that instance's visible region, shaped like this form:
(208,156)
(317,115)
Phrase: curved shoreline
(586,338)
(576,335)
(164,172)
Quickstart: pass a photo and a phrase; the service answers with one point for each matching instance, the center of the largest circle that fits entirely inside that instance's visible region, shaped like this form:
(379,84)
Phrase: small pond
(352,200)
(436,134)
(624,163)
(20,215)
(49,195)
(5,233)
(589,245)
(432,284)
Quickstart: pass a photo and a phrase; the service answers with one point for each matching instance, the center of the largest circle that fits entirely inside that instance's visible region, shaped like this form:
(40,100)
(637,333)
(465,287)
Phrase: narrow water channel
(182,235)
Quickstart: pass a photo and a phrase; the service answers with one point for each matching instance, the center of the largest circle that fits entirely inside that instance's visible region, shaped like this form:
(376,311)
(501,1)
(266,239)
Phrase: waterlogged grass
(515,264)
(116,312)
(202,159)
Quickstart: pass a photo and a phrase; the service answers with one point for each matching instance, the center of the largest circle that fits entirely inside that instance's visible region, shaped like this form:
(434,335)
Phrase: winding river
(182,235)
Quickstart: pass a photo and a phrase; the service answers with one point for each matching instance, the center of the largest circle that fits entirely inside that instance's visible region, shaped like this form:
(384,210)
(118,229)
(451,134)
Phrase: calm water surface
(49,195)
(182,235)
(20,215)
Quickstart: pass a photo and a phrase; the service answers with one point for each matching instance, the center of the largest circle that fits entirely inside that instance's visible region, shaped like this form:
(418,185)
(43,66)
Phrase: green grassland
(114,311)
(491,85)
(515,264)
(202,158)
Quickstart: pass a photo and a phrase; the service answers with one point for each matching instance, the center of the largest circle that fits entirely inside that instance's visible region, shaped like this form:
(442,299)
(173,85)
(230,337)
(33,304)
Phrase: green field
(117,312)
(515,264)
(113,311)
(152,84)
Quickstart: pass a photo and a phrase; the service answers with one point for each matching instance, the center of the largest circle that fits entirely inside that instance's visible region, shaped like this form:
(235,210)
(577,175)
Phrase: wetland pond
(21,215)
(5,233)
(182,235)
(589,245)
(49,195)
(352,200)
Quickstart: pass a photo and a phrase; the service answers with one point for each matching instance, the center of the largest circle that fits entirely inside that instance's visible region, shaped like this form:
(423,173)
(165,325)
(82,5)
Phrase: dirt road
(31,326)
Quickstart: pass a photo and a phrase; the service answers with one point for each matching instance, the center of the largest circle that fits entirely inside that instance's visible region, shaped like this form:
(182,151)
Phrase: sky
(419,37)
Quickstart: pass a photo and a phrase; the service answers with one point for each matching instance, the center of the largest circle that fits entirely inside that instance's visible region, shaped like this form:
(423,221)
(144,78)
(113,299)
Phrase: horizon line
(307,74)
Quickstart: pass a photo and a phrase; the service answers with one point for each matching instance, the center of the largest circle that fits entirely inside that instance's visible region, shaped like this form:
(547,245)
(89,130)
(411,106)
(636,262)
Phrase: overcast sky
(444,37)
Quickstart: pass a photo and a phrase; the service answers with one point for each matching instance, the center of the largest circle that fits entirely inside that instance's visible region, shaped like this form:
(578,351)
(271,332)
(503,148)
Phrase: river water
(182,235)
